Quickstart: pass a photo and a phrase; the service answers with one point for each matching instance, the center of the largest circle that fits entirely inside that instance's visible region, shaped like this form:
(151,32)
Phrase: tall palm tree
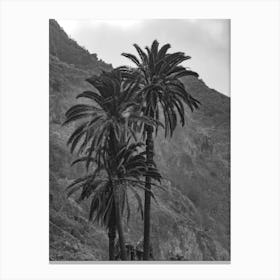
(160,90)
(106,124)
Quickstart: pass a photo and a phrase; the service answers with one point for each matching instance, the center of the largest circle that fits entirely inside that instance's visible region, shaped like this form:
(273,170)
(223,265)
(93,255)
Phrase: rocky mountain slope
(191,220)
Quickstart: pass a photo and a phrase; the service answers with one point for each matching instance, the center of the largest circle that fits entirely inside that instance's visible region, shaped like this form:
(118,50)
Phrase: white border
(255,138)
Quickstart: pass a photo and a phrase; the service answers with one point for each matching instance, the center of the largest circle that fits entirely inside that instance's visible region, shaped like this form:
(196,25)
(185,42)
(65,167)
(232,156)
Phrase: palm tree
(107,123)
(160,90)
(107,186)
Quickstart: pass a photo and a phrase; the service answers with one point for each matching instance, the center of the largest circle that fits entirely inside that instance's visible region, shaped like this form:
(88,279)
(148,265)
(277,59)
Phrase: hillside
(192,218)
(67,50)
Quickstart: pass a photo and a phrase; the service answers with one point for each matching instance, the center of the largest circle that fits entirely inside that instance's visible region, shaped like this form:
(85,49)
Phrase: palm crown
(110,116)
(159,83)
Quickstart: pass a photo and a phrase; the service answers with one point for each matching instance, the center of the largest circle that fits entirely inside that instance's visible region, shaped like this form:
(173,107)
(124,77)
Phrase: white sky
(207,41)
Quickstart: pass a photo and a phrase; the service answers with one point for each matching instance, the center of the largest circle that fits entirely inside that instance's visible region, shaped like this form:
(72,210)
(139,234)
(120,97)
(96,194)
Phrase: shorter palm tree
(107,123)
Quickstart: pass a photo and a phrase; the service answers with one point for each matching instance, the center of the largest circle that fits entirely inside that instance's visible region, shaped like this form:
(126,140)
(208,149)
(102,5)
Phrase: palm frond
(132,57)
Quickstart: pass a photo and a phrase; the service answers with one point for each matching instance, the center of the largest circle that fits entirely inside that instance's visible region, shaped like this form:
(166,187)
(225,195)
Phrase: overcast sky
(207,41)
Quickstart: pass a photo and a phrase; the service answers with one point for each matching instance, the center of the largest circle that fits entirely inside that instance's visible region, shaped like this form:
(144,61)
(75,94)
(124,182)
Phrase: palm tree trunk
(112,234)
(119,223)
(113,147)
(147,207)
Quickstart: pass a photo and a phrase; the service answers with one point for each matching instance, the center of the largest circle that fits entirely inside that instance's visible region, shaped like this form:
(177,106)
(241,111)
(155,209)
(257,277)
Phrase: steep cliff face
(191,219)
(197,160)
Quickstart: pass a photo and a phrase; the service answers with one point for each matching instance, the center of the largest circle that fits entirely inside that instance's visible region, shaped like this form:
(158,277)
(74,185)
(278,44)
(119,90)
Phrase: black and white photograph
(139,140)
